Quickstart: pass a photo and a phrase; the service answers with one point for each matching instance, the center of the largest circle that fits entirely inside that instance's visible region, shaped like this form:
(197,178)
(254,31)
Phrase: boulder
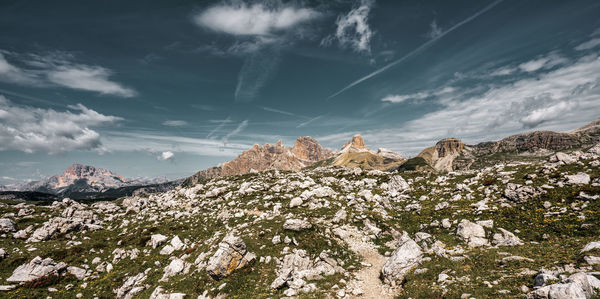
(297,267)
(578,179)
(506,238)
(7,225)
(131,287)
(577,286)
(472,233)
(519,193)
(296,225)
(231,255)
(404,259)
(157,240)
(397,185)
(36,268)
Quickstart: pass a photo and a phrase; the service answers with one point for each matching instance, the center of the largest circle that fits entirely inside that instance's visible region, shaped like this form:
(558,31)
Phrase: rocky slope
(442,156)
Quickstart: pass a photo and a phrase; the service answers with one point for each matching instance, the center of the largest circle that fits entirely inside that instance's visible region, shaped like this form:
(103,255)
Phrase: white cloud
(256,19)
(397,98)
(168,155)
(538,116)
(434,30)
(13,74)
(175,123)
(90,78)
(29,129)
(57,69)
(588,45)
(353,28)
(546,62)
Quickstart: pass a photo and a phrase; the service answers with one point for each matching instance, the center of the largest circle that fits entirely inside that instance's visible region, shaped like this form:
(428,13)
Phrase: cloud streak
(418,49)
(58,70)
(236,131)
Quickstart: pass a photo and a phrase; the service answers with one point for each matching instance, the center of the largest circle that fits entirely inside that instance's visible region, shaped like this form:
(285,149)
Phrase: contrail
(417,50)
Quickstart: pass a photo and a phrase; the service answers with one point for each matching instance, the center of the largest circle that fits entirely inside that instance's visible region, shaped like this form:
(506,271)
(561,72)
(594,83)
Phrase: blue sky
(166,88)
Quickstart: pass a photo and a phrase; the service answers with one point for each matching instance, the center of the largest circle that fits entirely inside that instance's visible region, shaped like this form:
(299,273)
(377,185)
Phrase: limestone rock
(404,259)
(296,224)
(157,240)
(131,287)
(7,225)
(506,238)
(36,268)
(519,193)
(472,233)
(577,286)
(578,179)
(231,255)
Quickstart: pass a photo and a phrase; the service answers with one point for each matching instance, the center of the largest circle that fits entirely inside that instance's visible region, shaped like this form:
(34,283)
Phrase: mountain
(86,182)
(305,152)
(450,153)
(356,154)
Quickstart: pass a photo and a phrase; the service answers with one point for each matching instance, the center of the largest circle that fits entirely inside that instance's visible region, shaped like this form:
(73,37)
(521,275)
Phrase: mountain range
(84,182)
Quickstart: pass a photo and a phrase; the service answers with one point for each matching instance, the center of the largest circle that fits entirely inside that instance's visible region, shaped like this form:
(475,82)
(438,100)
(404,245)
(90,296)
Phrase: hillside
(501,231)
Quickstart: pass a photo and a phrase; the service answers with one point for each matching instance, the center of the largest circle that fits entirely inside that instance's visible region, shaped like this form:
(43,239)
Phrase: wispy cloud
(175,123)
(309,121)
(218,127)
(28,129)
(353,29)
(418,49)
(400,98)
(592,43)
(257,70)
(434,30)
(59,70)
(236,131)
(277,111)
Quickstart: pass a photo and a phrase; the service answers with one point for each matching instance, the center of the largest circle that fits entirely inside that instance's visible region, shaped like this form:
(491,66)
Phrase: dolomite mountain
(80,178)
(305,152)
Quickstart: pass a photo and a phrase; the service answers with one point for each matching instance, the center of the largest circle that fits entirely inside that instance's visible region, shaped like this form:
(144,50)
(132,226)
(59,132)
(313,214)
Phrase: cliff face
(442,154)
(304,153)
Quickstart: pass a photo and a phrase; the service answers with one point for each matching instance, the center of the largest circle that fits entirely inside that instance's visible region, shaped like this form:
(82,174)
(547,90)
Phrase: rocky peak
(448,146)
(355,144)
(308,149)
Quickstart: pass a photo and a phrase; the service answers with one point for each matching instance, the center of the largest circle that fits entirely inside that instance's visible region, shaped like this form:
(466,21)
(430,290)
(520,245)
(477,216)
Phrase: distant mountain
(355,154)
(305,152)
(83,181)
(449,154)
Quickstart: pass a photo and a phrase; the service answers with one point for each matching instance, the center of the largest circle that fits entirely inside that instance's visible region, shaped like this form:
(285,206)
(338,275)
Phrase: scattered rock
(231,255)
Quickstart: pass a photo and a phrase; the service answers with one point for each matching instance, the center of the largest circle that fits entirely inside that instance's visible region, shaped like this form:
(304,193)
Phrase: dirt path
(367,278)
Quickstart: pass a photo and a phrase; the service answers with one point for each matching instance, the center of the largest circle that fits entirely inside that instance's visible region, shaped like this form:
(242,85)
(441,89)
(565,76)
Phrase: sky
(167,88)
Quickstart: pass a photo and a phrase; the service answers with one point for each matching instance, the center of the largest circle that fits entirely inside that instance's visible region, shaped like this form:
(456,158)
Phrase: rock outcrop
(36,268)
(404,259)
(441,156)
(231,255)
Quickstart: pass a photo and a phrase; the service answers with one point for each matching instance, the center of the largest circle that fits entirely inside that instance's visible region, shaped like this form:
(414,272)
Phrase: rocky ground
(514,229)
